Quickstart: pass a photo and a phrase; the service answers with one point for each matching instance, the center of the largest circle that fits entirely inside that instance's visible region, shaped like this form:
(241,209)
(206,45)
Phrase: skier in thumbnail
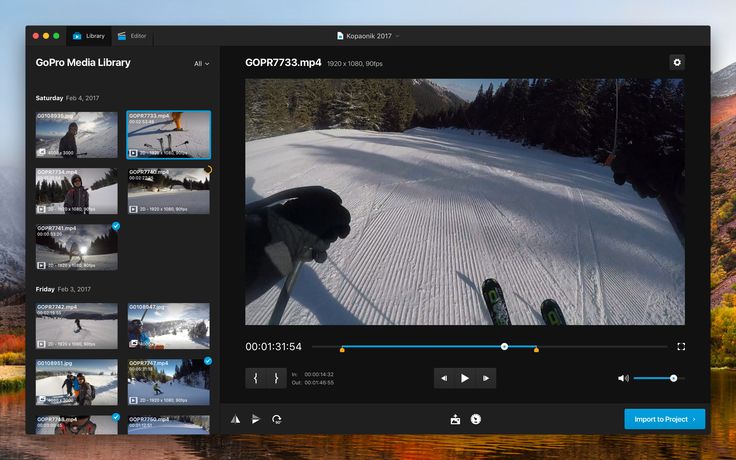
(75,386)
(176,118)
(68,143)
(135,332)
(69,384)
(157,389)
(74,251)
(86,393)
(281,235)
(79,326)
(77,198)
(76,425)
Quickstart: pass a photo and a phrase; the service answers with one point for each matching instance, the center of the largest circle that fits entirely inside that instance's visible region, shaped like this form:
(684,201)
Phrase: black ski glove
(305,227)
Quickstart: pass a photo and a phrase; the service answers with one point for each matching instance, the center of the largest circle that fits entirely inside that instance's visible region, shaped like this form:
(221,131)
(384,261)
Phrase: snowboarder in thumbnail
(68,143)
(77,198)
(74,251)
(76,425)
(77,323)
(69,384)
(281,235)
(176,118)
(157,389)
(135,332)
(85,391)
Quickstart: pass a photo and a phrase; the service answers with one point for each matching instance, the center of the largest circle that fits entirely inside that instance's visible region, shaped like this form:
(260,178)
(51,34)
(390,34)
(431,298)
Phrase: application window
(367,229)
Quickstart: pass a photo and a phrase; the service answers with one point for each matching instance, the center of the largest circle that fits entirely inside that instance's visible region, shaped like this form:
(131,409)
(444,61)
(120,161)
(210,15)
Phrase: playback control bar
(481,378)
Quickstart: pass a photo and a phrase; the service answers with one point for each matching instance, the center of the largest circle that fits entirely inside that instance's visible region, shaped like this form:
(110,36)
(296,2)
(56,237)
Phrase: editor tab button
(664,419)
(127,36)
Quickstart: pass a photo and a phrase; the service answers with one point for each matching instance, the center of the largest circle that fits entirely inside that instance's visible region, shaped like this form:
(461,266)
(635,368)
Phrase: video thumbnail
(77,191)
(531,187)
(82,247)
(75,424)
(76,135)
(169,326)
(159,134)
(168,191)
(168,382)
(76,382)
(169,424)
(73,325)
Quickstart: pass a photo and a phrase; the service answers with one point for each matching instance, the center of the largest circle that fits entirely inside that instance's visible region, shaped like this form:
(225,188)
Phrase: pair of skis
(168,141)
(496,303)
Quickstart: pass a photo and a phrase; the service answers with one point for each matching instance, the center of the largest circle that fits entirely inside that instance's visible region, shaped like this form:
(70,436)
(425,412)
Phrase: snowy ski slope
(103,333)
(106,390)
(181,341)
(185,201)
(103,200)
(60,262)
(169,427)
(174,394)
(435,212)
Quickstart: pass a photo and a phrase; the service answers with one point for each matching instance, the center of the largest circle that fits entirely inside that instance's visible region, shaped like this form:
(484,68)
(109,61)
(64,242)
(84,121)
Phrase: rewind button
(444,378)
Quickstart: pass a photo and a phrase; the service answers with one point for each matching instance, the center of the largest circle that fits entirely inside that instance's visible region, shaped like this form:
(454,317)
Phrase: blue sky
(467,88)
(85,366)
(719,14)
(172,311)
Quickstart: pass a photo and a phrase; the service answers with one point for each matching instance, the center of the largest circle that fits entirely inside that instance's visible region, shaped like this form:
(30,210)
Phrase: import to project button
(664,419)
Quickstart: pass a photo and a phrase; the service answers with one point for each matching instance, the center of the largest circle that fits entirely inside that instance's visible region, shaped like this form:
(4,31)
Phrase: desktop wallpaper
(719,14)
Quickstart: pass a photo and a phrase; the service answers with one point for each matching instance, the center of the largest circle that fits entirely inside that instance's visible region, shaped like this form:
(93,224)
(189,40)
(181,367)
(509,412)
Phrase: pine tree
(199,331)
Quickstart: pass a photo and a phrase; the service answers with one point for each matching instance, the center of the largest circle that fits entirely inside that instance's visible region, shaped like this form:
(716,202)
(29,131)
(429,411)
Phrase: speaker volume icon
(623,378)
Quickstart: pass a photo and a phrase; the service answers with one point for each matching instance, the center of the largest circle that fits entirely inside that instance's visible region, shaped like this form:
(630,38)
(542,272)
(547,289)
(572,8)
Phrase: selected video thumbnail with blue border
(168,135)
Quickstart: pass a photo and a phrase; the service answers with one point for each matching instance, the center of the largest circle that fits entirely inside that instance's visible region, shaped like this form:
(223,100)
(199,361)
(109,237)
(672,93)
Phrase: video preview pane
(462,192)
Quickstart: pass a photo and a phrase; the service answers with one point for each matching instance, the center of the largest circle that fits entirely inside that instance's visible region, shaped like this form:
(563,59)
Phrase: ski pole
(291,278)
(278,311)
(674,214)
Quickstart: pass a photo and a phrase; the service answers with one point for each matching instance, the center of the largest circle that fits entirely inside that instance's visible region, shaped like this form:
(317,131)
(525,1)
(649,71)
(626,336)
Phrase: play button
(486,378)
(464,378)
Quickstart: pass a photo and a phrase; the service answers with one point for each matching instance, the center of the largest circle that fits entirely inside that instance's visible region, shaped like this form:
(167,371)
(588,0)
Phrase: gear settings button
(677,62)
